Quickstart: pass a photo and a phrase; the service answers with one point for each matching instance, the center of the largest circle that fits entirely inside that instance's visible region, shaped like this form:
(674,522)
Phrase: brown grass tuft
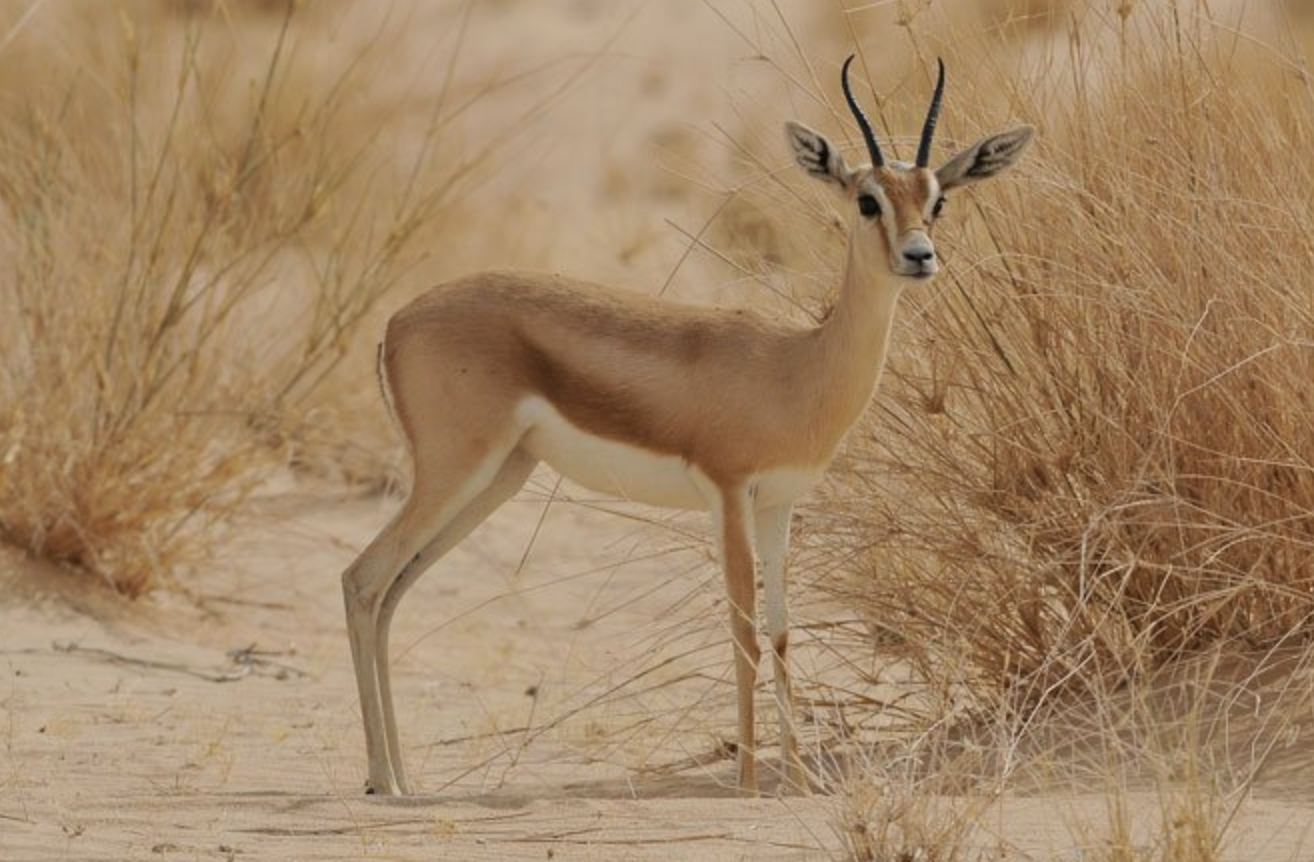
(194,225)
(1092,454)
(886,816)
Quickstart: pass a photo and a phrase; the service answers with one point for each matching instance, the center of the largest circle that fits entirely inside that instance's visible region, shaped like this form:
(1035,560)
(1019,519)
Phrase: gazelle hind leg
(443,488)
(369,568)
(733,528)
(364,584)
(510,479)
(772,528)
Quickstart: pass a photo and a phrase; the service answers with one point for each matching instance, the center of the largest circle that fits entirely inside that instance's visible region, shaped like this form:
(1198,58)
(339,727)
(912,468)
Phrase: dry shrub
(194,221)
(888,813)
(1172,788)
(1092,453)
(1192,826)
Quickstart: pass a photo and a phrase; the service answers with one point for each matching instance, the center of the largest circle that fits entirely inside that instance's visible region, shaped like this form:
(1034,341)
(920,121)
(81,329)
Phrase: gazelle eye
(939,207)
(869,206)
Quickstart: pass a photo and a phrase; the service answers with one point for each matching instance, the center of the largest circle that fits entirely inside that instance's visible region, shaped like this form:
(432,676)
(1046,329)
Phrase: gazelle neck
(855,338)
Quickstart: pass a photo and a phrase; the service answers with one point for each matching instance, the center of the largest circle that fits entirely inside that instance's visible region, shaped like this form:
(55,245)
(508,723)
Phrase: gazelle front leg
(733,527)
(772,527)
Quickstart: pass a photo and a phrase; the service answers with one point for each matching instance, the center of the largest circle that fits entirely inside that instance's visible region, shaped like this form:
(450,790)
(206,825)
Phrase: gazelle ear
(985,158)
(816,155)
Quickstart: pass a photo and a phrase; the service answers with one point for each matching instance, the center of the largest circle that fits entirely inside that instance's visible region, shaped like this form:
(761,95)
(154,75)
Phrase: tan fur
(686,404)
(724,390)
(909,192)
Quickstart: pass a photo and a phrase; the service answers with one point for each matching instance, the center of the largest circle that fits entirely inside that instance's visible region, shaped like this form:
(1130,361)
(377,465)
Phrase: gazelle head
(898,203)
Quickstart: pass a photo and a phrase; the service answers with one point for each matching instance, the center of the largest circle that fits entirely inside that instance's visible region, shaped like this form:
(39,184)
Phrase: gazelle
(657,402)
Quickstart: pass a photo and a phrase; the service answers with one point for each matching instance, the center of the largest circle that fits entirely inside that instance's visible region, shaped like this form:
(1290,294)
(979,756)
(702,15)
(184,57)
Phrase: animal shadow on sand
(692,783)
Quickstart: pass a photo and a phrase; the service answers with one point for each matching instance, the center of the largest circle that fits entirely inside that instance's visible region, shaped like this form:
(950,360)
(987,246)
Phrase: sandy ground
(571,711)
(135,732)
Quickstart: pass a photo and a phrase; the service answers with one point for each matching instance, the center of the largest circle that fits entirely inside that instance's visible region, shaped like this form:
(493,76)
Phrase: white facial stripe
(933,197)
(905,219)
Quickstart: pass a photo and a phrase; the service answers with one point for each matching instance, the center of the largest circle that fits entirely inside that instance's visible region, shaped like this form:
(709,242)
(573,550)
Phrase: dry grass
(196,217)
(1091,456)
(1171,789)
(1157,773)
(889,813)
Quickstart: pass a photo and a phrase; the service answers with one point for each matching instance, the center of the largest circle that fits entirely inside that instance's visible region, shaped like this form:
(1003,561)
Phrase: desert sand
(538,715)
(137,732)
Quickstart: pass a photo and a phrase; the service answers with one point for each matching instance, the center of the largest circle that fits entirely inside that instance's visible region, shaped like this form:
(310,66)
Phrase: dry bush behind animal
(1091,455)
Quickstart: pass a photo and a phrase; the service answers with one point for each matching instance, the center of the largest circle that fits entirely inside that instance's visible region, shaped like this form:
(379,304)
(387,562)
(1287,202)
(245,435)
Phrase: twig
(248,660)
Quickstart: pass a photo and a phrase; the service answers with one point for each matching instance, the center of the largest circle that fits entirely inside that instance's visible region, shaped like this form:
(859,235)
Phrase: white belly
(606,466)
(633,473)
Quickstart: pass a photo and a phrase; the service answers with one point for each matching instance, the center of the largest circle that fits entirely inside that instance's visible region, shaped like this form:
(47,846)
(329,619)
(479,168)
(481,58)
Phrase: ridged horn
(873,149)
(932,117)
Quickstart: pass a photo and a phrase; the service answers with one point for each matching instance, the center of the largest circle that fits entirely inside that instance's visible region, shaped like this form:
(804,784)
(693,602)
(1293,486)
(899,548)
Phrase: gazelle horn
(932,116)
(873,149)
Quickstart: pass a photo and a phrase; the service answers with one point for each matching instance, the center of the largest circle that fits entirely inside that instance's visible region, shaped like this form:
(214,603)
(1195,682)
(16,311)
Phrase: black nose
(919,256)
